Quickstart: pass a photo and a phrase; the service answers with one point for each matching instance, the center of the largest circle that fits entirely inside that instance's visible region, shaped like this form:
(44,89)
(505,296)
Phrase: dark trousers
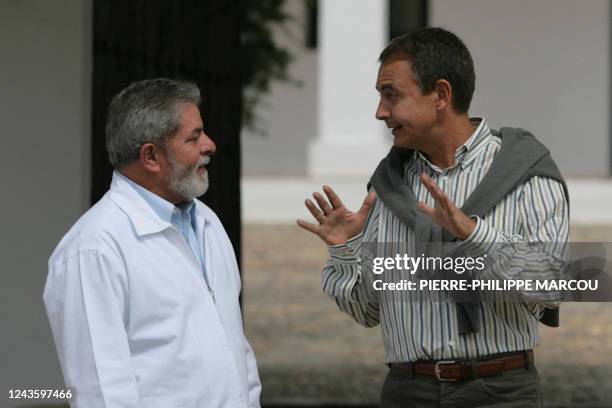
(520,388)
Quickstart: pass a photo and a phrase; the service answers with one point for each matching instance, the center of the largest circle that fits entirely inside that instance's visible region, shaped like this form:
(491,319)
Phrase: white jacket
(132,317)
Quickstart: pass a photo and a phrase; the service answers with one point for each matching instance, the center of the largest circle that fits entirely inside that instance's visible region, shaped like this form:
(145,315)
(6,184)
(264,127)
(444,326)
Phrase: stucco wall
(543,65)
(44,171)
(288,114)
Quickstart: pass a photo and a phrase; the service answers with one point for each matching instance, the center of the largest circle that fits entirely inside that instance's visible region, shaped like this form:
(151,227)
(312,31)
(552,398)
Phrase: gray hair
(145,112)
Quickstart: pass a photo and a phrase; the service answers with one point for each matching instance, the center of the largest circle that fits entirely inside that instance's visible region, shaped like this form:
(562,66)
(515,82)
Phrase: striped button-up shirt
(536,211)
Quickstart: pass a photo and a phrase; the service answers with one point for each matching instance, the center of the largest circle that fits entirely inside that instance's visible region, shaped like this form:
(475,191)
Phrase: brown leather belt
(458,370)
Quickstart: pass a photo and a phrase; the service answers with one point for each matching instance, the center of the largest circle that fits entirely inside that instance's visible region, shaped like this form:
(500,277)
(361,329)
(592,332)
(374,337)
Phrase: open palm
(336,223)
(445,213)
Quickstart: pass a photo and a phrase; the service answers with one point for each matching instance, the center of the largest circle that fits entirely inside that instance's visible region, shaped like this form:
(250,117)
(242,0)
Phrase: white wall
(543,65)
(288,113)
(44,171)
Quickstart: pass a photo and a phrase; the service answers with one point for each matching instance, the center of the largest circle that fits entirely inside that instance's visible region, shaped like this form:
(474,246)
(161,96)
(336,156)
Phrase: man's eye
(389,95)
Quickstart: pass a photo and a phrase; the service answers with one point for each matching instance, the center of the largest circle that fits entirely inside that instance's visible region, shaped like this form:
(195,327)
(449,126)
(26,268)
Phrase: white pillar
(350,140)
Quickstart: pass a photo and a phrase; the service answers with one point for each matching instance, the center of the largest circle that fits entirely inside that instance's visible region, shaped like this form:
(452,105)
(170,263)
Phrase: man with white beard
(142,292)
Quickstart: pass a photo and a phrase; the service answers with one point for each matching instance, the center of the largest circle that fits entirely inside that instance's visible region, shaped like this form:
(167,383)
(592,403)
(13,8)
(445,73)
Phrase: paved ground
(309,351)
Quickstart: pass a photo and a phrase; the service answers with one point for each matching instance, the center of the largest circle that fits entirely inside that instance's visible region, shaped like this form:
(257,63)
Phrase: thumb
(425,209)
(367,203)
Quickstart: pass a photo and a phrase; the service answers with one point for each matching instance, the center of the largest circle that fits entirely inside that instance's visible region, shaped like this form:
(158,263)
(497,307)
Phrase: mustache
(203,161)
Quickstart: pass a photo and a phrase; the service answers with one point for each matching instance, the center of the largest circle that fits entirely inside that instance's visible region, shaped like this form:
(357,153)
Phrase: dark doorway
(406,16)
(197,40)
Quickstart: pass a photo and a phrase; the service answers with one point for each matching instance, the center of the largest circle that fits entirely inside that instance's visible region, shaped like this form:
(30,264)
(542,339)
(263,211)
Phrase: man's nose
(207,147)
(382,112)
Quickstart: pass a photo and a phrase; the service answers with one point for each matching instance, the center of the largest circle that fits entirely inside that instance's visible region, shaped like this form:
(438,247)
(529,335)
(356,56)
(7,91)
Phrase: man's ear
(150,156)
(444,94)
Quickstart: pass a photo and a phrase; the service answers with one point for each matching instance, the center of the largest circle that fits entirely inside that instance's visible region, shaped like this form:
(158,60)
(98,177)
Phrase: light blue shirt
(182,217)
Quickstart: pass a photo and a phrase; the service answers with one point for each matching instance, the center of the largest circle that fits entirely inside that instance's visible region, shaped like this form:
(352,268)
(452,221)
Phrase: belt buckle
(438,371)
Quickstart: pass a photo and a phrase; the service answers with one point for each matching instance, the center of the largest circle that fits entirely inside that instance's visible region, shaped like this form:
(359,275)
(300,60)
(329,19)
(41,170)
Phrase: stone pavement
(308,351)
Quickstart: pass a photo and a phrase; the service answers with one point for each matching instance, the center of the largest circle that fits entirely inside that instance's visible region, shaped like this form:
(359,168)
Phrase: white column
(350,140)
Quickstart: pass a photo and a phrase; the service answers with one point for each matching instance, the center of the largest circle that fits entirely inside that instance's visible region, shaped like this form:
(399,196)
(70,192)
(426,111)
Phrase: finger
(442,200)
(323,204)
(368,202)
(316,213)
(333,197)
(430,185)
(447,204)
(309,226)
(436,192)
(425,209)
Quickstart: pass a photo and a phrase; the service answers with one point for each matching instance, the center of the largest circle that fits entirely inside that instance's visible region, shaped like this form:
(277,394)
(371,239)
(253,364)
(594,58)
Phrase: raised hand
(337,224)
(446,214)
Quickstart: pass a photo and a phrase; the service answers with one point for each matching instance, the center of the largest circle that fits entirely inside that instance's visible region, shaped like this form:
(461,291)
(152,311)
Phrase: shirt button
(451,343)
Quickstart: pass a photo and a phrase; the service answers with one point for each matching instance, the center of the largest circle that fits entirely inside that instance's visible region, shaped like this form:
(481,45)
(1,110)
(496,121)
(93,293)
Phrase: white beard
(185,181)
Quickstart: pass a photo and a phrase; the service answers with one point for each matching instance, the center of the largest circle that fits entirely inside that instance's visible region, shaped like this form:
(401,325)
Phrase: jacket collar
(143,217)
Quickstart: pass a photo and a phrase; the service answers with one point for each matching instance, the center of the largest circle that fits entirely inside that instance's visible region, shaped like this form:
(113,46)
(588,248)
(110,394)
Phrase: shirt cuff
(347,252)
(483,240)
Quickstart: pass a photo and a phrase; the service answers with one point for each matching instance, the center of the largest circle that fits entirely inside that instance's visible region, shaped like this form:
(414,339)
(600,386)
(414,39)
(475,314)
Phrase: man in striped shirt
(426,81)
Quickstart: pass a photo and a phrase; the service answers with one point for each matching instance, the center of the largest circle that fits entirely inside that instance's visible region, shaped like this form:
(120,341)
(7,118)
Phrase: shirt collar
(148,212)
(476,142)
(161,207)
(469,150)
